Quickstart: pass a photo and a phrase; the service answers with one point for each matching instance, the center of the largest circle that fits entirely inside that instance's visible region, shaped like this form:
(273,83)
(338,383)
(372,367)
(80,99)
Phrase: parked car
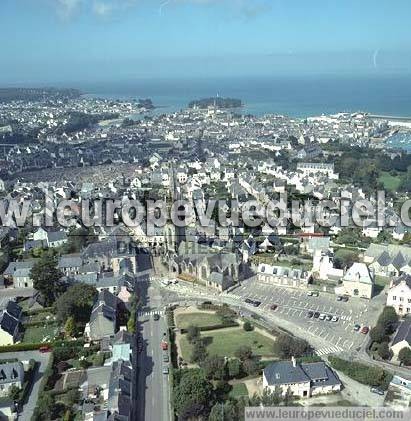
(164,345)
(44,349)
(339,298)
(335,319)
(165,358)
(165,370)
(310,314)
(313,293)
(328,318)
(316,315)
(156,317)
(357,327)
(365,330)
(377,390)
(273,306)
(345,298)
(322,316)
(256,303)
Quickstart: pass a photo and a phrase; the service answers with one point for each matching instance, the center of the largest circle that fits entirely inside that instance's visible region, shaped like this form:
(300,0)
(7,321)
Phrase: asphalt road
(152,384)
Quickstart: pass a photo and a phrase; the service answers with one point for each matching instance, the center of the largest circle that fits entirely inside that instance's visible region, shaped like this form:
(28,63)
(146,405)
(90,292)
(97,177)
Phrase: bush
(247,326)
(384,351)
(405,356)
(24,347)
(362,373)
(287,346)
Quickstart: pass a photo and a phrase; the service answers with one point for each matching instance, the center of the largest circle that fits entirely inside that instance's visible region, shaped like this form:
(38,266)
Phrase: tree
(271,398)
(77,302)
(199,352)
(44,408)
(388,319)
(378,334)
(244,352)
(384,351)
(234,368)
(14,393)
(250,366)
(79,238)
(247,326)
(47,278)
(193,388)
(214,367)
(193,333)
(73,397)
(288,346)
(224,411)
(405,356)
(70,327)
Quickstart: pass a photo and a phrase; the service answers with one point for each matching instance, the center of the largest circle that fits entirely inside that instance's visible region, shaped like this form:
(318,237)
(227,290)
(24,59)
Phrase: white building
(302,380)
(283,276)
(399,294)
(358,281)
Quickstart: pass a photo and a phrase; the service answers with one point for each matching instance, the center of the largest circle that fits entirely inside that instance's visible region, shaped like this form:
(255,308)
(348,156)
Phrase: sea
(297,97)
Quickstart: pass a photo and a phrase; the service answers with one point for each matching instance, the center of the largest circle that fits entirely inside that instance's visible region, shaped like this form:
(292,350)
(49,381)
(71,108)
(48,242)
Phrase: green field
(197,319)
(35,334)
(225,342)
(239,389)
(389,181)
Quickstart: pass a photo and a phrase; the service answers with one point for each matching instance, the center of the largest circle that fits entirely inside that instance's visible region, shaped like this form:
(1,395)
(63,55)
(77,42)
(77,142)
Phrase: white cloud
(102,9)
(67,8)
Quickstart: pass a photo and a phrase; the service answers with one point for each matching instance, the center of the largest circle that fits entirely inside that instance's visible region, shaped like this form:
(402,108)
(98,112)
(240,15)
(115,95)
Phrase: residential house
(301,380)
(103,319)
(399,294)
(358,281)
(11,375)
(388,260)
(10,324)
(18,273)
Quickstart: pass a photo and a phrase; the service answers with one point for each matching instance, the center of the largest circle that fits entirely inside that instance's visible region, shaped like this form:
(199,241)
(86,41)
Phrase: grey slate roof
(283,372)
(403,332)
(11,373)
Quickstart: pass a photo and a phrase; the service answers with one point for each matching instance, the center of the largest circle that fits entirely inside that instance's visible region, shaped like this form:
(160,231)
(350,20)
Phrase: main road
(152,385)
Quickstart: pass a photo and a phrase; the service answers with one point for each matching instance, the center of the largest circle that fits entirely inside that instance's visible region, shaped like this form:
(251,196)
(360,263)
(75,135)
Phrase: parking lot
(294,305)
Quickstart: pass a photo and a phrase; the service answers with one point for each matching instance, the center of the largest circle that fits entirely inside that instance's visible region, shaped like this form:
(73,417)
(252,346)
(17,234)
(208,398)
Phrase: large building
(302,380)
(283,276)
(388,260)
(399,294)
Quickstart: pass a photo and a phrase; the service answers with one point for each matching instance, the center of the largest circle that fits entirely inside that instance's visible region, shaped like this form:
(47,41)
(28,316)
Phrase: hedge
(362,373)
(24,347)
(213,327)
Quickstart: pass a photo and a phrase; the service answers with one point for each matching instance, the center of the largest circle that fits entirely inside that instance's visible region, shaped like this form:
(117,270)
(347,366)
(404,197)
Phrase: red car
(365,330)
(44,349)
(164,345)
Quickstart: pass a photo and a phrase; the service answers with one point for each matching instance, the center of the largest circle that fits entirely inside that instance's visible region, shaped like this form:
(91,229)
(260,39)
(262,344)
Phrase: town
(121,322)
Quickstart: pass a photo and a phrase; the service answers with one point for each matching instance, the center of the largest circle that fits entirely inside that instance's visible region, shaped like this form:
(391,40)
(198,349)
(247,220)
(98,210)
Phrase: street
(152,384)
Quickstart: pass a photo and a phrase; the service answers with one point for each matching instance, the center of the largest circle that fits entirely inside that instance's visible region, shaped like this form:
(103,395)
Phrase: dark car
(316,314)
(328,317)
(156,317)
(256,303)
(273,307)
(357,327)
(310,314)
(248,301)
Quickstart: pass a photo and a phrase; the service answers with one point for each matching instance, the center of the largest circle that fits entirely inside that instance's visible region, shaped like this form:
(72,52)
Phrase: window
(401,298)
(394,298)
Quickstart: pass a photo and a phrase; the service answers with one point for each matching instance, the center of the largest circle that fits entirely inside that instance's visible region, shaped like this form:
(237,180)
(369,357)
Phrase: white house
(302,380)
(11,374)
(399,294)
(358,281)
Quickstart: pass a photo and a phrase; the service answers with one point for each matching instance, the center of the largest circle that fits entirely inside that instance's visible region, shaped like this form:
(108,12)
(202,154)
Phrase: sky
(83,40)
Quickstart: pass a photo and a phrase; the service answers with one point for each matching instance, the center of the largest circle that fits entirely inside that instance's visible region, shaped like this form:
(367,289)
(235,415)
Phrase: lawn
(238,390)
(198,319)
(389,181)
(225,342)
(42,333)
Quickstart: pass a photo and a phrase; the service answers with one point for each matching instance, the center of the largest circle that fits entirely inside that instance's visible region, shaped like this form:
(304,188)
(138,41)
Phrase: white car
(322,316)
(335,319)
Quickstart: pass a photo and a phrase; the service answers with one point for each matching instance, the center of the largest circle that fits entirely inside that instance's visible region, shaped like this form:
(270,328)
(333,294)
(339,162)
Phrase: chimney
(294,362)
